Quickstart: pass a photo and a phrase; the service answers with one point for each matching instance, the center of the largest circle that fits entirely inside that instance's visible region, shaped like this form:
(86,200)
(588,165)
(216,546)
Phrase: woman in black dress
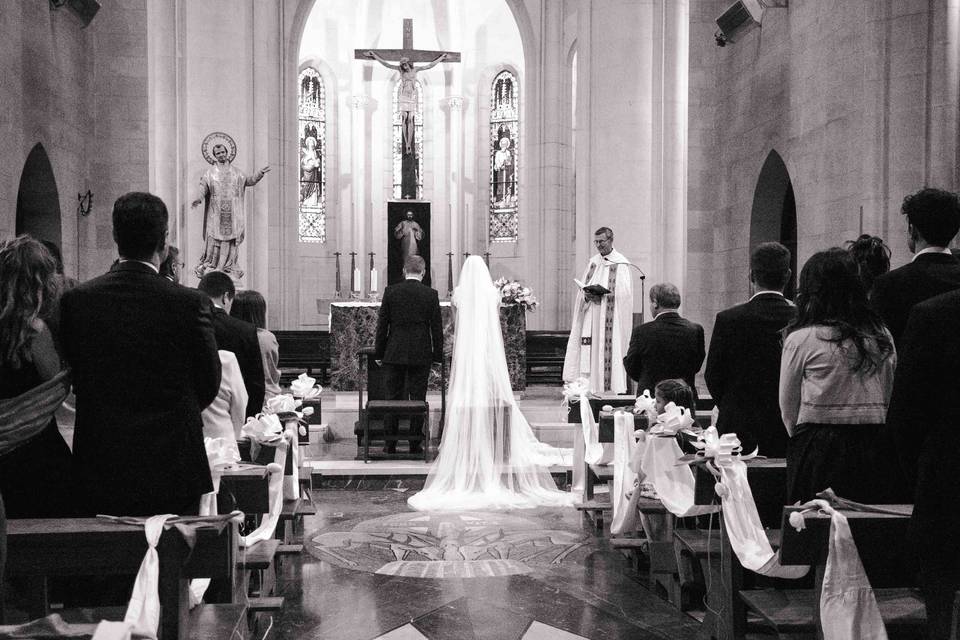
(35,478)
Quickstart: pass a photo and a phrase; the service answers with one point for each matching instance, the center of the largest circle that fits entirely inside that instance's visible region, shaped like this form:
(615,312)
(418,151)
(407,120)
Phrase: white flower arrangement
(512,292)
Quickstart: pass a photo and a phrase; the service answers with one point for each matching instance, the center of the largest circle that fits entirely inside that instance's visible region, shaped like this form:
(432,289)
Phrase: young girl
(676,391)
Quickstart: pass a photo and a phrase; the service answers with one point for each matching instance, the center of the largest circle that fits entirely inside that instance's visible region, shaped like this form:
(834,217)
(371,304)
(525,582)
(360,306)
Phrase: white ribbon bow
(305,387)
(672,420)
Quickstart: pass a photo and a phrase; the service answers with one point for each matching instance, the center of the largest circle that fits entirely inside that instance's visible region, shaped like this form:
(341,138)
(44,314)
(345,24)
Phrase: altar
(353,325)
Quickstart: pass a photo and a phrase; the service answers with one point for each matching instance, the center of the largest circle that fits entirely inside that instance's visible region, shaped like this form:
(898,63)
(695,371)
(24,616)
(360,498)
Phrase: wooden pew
(41,548)
(876,535)
(726,617)
(304,351)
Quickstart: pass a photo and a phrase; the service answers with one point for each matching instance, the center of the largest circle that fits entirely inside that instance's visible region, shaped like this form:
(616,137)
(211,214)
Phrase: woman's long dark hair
(831,293)
(28,284)
(250,306)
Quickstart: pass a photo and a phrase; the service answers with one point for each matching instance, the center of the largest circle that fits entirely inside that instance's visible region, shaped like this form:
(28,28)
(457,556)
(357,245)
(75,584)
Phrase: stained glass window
(312,134)
(398,143)
(504,136)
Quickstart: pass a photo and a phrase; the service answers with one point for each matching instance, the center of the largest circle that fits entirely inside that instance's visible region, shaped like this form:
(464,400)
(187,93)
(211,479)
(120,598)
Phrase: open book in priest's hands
(592,289)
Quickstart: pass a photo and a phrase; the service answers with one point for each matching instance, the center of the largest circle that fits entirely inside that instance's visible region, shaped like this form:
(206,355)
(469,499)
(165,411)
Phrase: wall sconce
(84,203)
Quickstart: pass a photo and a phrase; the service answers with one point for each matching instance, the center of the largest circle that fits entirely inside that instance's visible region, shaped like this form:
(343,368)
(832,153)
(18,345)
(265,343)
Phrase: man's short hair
(606,231)
(934,213)
(139,225)
(217,283)
(414,265)
(770,265)
(666,295)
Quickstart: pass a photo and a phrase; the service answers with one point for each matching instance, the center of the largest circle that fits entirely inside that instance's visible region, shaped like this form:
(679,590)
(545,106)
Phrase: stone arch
(38,201)
(773,217)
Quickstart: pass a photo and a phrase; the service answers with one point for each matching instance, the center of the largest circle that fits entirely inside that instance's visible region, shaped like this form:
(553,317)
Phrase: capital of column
(453,103)
(361,103)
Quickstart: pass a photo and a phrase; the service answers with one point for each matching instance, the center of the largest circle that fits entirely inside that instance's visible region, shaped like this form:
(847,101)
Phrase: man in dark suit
(743,365)
(145,365)
(933,219)
(666,347)
(236,336)
(409,339)
(923,417)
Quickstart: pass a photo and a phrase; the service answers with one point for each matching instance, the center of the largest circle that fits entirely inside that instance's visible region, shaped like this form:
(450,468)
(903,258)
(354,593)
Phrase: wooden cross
(408,52)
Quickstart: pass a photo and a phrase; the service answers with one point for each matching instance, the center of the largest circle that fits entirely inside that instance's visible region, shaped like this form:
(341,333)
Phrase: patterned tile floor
(372,568)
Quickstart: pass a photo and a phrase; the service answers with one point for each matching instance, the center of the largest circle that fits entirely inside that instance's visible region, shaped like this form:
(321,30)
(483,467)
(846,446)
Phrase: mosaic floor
(372,568)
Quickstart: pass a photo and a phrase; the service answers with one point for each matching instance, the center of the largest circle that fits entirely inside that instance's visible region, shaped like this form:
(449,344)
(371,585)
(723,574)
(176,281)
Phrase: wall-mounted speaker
(84,9)
(740,18)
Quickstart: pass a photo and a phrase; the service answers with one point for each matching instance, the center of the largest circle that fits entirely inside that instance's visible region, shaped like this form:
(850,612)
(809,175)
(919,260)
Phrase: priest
(600,331)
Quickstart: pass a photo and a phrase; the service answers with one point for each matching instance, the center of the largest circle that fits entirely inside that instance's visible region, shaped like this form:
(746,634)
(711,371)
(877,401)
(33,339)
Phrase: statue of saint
(503,172)
(221,191)
(407,100)
(409,233)
(310,173)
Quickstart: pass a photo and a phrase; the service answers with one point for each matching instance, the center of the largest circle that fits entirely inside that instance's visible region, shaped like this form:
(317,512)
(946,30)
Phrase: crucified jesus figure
(407,100)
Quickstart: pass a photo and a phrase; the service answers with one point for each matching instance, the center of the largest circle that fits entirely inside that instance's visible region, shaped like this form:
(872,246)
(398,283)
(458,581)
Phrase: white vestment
(489,457)
(600,332)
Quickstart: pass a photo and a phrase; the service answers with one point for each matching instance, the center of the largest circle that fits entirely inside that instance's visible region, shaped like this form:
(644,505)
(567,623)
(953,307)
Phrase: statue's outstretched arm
(440,58)
(376,56)
(258,176)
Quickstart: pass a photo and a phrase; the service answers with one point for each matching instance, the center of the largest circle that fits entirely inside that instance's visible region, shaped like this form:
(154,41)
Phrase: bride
(489,457)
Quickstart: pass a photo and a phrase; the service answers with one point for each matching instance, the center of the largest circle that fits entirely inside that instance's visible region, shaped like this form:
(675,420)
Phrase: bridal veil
(489,457)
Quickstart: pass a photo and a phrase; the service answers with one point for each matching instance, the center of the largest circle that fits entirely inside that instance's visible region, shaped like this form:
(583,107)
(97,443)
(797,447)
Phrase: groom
(409,339)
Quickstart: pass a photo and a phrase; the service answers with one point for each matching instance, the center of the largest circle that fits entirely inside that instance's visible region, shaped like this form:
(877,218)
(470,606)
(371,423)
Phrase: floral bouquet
(512,292)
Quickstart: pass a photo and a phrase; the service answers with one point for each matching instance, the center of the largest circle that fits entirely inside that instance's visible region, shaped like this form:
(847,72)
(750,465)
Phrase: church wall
(81,93)
(859,99)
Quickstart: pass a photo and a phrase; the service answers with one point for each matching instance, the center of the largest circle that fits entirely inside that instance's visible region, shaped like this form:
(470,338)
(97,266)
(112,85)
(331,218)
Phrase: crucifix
(407,97)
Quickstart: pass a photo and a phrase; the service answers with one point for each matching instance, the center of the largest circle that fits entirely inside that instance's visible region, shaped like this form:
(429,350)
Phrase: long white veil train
(489,457)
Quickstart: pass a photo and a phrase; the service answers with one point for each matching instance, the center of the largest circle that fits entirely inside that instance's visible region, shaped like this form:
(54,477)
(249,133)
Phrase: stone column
(674,52)
(552,272)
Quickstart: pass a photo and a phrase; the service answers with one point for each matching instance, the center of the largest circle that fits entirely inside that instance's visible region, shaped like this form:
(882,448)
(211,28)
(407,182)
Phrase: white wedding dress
(489,457)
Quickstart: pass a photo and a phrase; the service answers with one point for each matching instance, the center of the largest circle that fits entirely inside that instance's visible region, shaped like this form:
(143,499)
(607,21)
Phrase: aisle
(532,574)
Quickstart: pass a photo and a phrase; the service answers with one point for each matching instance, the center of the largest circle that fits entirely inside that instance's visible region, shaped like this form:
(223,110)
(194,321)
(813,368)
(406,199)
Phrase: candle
(373,279)
(357,285)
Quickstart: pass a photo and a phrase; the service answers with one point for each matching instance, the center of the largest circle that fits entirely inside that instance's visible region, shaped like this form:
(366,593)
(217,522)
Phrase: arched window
(504,156)
(398,141)
(312,112)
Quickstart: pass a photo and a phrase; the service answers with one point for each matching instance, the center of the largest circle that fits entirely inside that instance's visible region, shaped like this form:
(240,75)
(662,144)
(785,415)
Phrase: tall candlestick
(373,273)
(337,284)
(354,272)
(449,273)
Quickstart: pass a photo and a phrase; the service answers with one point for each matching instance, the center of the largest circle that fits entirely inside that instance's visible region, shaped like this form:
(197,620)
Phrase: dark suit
(923,417)
(743,371)
(409,338)
(240,338)
(144,365)
(667,347)
(895,293)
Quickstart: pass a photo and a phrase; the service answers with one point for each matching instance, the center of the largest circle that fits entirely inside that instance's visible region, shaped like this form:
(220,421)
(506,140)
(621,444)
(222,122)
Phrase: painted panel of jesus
(408,233)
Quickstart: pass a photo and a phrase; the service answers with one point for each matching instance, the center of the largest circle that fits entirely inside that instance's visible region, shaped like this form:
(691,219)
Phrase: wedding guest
(923,417)
(224,417)
(35,463)
(676,391)
(836,375)
(872,256)
(933,218)
(235,335)
(145,365)
(250,306)
(171,265)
